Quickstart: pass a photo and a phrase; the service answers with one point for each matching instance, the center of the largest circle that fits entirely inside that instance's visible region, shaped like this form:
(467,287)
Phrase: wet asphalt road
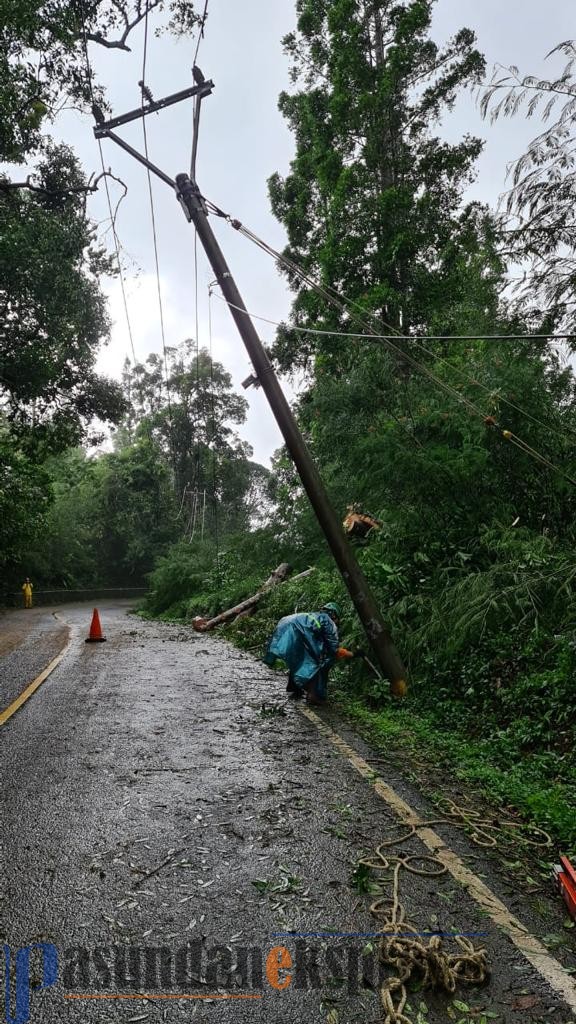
(151,801)
(29,639)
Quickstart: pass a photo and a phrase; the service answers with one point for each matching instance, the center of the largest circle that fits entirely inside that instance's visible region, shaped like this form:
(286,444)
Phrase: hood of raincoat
(331,607)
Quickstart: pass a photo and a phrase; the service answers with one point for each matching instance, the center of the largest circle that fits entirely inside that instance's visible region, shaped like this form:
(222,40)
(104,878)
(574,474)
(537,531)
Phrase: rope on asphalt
(401,946)
(410,954)
(482,831)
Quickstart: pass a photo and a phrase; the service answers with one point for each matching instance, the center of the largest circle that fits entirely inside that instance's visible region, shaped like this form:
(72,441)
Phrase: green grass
(500,774)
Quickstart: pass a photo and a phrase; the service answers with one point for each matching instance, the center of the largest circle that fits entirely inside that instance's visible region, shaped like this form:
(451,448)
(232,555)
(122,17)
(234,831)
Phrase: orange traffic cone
(95,635)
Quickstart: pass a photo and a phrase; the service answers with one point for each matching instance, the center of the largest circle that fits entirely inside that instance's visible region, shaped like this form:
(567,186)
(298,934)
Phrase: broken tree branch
(280,575)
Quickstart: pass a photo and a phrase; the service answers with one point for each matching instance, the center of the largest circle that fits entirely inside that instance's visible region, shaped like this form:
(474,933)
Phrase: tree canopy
(538,232)
(43,61)
(371,205)
(53,312)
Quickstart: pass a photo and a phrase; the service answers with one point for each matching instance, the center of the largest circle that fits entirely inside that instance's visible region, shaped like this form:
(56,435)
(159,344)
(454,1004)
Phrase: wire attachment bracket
(189,196)
(201,90)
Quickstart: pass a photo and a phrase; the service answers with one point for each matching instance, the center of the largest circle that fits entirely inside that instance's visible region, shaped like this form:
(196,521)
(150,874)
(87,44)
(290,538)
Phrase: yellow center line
(537,954)
(33,686)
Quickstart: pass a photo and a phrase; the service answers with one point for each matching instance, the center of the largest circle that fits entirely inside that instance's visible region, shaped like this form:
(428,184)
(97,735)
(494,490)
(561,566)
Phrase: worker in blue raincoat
(309,645)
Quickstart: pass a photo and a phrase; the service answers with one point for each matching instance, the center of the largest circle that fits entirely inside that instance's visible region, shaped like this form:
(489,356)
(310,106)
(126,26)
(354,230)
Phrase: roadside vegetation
(497,713)
(462,449)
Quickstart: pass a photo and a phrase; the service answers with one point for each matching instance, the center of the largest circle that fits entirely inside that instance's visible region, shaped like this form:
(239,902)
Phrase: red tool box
(565,876)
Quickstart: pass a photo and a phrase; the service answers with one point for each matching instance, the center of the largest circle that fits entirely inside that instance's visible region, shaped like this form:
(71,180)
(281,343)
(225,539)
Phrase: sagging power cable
(107,189)
(357,336)
(213,410)
(345,305)
(402,337)
(145,98)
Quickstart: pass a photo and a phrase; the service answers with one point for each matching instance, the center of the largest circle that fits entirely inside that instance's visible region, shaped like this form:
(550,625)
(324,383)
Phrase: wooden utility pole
(356,583)
(193,204)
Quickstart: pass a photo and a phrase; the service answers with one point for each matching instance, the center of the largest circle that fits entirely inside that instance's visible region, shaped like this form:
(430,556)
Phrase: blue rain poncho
(307,643)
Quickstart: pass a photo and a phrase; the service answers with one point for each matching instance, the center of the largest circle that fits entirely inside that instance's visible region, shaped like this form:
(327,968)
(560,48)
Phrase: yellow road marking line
(33,686)
(547,966)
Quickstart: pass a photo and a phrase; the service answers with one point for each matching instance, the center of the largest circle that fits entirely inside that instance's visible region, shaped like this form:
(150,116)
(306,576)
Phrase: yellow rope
(401,946)
(483,832)
(413,956)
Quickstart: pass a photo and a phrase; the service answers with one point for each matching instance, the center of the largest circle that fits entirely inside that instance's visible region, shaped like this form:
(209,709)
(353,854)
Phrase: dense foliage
(174,478)
(463,449)
(53,311)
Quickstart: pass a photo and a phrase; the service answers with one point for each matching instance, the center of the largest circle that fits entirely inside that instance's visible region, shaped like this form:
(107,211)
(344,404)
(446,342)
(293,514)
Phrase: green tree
(23,504)
(109,518)
(65,553)
(372,201)
(191,417)
(53,312)
(54,315)
(134,513)
(374,211)
(539,205)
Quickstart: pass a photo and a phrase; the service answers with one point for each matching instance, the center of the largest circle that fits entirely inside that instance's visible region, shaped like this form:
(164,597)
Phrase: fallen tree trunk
(280,575)
(202,625)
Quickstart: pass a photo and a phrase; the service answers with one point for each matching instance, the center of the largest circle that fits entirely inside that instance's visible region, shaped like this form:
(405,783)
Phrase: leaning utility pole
(194,206)
(376,631)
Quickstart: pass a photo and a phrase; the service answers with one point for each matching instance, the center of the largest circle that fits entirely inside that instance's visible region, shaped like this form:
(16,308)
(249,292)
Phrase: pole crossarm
(137,156)
(201,90)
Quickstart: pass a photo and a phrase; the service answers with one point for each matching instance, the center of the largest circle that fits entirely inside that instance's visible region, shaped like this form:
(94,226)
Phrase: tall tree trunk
(388,148)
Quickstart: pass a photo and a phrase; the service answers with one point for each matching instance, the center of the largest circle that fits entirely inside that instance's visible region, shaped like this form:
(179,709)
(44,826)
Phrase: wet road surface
(29,639)
(166,810)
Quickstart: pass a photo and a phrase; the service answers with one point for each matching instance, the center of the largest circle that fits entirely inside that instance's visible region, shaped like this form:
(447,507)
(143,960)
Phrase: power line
(424,369)
(144,91)
(107,189)
(490,391)
(406,337)
(399,337)
(344,305)
(201,28)
(153,216)
(213,408)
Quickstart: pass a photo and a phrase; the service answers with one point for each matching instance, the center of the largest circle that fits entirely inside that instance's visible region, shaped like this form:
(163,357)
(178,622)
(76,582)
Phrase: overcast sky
(243,141)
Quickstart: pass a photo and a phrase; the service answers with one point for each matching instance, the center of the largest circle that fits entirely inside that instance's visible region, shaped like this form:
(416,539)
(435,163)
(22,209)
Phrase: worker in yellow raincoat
(27,587)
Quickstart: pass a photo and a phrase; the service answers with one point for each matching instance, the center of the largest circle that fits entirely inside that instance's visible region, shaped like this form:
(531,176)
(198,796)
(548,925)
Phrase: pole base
(398,688)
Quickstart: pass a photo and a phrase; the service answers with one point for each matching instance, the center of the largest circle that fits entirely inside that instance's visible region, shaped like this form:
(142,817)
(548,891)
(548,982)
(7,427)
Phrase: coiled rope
(410,954)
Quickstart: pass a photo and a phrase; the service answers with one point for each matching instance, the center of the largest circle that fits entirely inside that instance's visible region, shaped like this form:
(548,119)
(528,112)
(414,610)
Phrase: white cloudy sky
(243,141)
